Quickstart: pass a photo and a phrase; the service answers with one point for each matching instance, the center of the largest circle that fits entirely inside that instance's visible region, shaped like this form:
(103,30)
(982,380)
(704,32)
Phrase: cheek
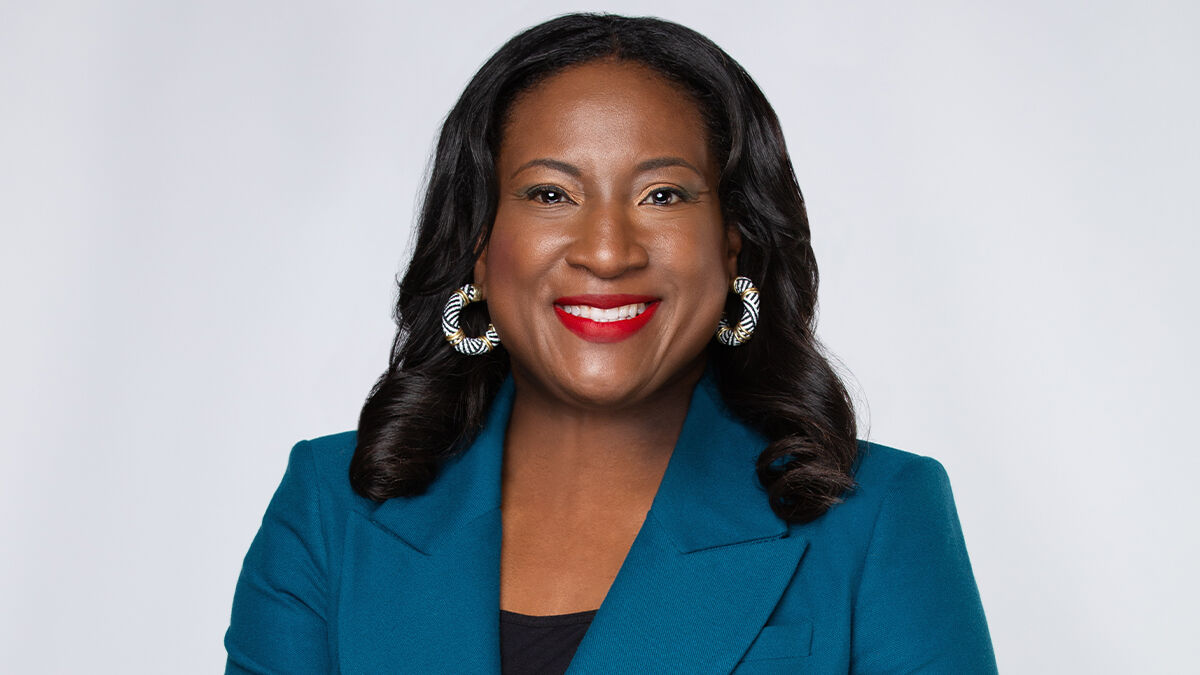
(700,263)
(507,259)
(514,277)
(699,277)
(500,263)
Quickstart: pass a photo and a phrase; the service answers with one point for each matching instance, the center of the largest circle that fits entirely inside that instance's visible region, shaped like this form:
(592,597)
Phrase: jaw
(606,377)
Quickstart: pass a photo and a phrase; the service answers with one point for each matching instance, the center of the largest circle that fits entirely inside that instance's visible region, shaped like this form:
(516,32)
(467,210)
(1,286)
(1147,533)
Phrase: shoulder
(281,605)
(899,490)
(914,594)
(332,454)
(887,481)
(881,470)
(322,466)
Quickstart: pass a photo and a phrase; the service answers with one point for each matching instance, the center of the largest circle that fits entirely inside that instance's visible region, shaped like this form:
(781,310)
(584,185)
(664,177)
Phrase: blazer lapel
(420,585)
(709,564)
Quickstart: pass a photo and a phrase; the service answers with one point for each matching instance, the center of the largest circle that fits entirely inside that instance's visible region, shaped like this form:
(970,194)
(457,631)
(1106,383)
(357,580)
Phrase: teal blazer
(715,582)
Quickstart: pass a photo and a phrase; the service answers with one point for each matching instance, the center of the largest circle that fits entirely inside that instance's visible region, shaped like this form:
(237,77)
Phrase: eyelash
(538,192)
(680,194)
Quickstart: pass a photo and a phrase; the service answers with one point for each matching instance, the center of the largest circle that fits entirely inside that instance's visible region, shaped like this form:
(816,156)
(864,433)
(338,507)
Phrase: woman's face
(608,201)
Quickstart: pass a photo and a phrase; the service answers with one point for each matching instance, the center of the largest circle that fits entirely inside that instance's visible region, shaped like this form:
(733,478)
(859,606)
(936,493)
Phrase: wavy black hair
(431,401)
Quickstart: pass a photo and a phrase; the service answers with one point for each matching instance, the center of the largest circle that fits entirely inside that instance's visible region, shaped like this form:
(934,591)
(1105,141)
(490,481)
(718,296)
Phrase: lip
(607,331)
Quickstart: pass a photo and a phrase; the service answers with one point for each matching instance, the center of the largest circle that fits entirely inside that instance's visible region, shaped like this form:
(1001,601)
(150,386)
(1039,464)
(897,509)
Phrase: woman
(606,438)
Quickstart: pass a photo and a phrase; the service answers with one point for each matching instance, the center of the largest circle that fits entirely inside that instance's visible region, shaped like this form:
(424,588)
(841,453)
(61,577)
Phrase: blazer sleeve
(278,623)
(917,607)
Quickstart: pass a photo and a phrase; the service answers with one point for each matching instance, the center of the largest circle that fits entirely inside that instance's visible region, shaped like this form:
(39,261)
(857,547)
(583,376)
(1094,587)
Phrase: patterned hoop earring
(737,335)
(471,346)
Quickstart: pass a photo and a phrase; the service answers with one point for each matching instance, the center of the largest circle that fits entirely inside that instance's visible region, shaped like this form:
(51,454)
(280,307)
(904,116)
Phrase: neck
(562,456)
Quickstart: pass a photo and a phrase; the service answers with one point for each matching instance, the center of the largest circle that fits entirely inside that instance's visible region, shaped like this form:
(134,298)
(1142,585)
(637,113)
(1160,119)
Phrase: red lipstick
(605,331)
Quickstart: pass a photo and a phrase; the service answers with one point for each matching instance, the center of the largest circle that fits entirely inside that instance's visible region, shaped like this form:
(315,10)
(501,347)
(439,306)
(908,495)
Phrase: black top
(540,645)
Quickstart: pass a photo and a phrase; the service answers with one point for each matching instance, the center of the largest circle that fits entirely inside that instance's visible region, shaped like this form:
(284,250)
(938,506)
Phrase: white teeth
(605,315)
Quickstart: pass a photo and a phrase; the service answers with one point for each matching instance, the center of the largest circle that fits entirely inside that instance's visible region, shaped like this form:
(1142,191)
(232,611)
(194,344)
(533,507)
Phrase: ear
(733,246)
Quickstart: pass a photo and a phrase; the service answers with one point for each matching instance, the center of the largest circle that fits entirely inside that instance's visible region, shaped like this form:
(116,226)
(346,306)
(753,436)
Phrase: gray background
(205,204)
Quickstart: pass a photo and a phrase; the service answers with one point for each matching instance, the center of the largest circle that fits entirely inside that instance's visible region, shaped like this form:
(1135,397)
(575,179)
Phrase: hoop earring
(737,335)
(471,346)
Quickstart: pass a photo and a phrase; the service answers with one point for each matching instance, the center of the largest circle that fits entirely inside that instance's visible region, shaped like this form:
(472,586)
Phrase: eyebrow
(557,165)
(572,170)
(663,162)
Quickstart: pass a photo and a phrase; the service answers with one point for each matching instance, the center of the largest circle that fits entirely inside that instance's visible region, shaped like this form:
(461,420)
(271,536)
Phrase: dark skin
(607,185)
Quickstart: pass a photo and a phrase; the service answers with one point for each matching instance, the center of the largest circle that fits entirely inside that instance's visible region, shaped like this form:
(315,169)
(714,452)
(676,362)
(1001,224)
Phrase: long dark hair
(431,401)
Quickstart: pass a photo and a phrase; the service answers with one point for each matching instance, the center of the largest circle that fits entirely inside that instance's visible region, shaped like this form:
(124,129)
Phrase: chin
(603,390)
(610,387)
(604,378)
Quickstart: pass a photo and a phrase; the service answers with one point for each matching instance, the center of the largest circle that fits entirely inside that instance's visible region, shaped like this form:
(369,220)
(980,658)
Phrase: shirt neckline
(570,619)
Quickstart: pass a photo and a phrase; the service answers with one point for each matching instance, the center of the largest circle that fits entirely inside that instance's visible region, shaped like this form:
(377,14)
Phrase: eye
(666,197)
(547,194)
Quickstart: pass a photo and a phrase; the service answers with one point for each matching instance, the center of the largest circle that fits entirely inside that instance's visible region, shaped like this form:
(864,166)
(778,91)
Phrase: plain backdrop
(205,205)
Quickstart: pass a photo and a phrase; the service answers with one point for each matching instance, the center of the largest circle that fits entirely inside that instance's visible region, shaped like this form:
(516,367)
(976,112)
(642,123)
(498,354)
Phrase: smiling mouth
(604,315)
(605,318)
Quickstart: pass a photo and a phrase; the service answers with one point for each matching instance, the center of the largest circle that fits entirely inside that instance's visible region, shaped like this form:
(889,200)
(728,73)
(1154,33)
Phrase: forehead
(616,108)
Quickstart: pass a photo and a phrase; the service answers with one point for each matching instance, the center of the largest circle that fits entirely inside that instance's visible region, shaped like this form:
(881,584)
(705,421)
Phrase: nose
(607,242)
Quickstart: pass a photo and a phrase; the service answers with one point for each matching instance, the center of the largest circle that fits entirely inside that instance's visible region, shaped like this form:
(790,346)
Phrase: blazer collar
(703,575)
(709,496)
(467,487)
